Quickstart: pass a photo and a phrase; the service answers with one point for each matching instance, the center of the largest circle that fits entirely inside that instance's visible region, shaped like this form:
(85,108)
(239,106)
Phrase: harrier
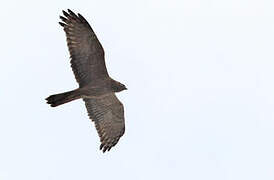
(96,87)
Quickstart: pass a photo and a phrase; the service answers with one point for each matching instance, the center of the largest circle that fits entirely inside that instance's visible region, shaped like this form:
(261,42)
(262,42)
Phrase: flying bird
(96,87)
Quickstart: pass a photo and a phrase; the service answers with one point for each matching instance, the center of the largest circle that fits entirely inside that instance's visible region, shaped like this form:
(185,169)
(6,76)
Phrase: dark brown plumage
(96,88)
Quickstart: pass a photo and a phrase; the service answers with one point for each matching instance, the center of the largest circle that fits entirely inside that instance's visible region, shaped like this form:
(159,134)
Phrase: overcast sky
(200,104)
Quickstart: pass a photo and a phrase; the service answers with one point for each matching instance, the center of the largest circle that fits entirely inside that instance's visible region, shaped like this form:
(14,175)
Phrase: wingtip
(101,146)
(63,18)
(70,12)
(62,24)
(104,150)
(65,13)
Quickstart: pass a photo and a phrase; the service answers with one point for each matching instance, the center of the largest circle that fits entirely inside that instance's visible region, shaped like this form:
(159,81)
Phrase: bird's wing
(108,114)
(86,52)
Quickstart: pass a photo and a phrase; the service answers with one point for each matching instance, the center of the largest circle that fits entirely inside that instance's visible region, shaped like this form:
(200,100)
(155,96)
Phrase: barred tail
(62,98)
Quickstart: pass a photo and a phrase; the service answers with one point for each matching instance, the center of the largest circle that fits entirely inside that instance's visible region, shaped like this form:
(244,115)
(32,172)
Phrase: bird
(96,87)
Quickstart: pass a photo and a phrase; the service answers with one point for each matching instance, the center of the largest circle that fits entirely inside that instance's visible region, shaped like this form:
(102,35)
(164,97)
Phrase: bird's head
(117,86)
(121,87)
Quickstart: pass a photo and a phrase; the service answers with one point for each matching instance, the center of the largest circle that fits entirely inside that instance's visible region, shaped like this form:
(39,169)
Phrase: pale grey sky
(200,104)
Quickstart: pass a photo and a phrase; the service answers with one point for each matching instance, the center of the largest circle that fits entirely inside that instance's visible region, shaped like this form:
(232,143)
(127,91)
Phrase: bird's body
(96,88)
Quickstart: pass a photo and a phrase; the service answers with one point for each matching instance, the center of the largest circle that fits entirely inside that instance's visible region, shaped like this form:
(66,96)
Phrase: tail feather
(62,98)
